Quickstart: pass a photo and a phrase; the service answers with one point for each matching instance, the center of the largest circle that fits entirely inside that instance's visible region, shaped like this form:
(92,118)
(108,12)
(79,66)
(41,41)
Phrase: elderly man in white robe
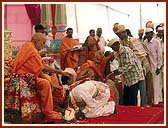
(155,56)
(160,37)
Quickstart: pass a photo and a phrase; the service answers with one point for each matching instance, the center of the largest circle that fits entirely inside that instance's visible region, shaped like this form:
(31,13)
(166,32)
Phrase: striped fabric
(60,16)
(46,18)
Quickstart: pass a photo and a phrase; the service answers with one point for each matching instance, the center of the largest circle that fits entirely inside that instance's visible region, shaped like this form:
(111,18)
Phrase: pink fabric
(34,13)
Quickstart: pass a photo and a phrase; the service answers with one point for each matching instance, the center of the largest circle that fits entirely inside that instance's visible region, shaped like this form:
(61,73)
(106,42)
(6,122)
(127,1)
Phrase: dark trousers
(130,94)
(142,88)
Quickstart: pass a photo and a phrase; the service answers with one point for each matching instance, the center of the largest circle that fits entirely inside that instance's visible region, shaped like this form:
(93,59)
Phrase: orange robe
(90,64)
(28,60)
(98,69)
(90,53)
(68,59)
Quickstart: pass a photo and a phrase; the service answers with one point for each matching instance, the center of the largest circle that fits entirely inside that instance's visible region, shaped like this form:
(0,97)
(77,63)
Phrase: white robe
(96,95)
(155,56)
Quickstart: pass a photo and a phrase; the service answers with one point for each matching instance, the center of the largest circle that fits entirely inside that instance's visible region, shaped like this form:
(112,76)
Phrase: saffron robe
(68,58)
(88,52)
(28,60)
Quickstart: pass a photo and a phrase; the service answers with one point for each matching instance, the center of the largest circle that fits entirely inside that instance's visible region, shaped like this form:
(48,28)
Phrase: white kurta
(155,56)
(162,73)
(96,95)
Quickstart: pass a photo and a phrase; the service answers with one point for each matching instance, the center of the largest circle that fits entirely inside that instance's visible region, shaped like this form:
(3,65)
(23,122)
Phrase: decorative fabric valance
(54,14)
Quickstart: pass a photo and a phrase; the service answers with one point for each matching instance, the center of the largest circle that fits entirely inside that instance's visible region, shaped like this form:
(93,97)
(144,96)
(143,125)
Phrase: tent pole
(140,9)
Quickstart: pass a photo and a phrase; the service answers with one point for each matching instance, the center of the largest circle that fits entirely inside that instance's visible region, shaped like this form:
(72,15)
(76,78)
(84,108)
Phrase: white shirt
(155,53)
(101,42)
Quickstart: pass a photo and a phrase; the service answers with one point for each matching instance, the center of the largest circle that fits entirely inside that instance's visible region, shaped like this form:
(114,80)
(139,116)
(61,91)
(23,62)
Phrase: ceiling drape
(34,13)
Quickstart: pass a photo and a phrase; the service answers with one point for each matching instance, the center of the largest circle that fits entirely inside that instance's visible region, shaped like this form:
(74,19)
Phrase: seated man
(89,70)
(98,66)
(28,60)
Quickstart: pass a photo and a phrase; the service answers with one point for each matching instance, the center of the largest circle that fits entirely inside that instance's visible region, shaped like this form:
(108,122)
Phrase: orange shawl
(90,54)
(68,59)
(90,64)
(28,60)
(100,70)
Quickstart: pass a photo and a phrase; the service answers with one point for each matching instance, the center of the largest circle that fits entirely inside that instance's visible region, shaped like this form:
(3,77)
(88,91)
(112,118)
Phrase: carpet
(126,115)
(130,115)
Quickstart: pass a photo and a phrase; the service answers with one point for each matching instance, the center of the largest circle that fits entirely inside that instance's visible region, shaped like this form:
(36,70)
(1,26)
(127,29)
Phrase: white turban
(148,30)
(71,71)
(160,28)
(149,24)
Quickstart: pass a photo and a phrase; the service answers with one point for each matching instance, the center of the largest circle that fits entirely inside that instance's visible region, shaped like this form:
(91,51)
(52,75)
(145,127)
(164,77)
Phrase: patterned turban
(118,28)
(112,41)
(150,24)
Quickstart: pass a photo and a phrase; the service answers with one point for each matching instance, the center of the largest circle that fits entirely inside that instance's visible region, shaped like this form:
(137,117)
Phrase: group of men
(140,66)
(140,61)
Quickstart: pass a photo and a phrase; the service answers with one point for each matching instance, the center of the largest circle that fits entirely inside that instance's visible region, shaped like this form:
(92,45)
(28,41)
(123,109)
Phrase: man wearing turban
(94,98)
(138,49)
(150,24)
(160,37)
(120,31)
(155,57)
(140,34)
(146,67)
(131,70)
